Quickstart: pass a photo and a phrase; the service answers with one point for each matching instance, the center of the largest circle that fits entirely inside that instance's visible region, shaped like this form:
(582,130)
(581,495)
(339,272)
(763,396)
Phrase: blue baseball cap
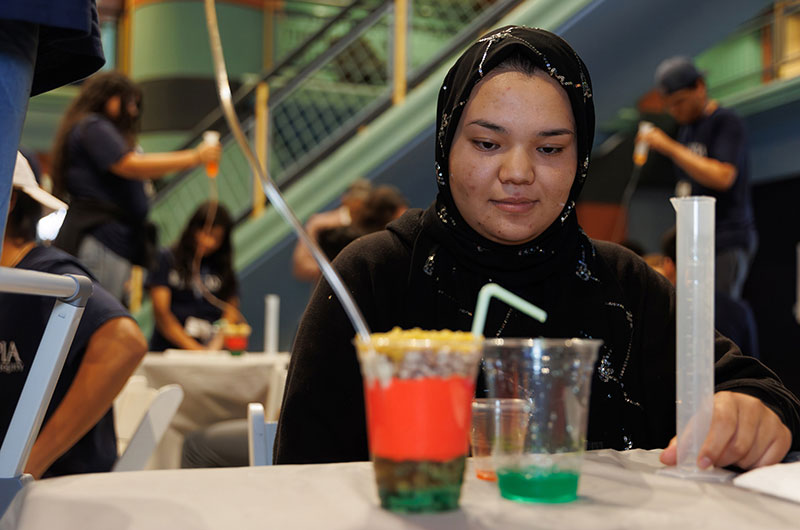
(676,73)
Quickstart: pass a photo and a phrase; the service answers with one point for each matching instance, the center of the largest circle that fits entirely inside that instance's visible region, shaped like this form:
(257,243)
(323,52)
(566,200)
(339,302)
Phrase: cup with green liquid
(554,377)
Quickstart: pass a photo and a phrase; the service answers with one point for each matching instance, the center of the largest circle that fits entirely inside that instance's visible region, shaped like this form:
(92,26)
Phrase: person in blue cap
(710,152)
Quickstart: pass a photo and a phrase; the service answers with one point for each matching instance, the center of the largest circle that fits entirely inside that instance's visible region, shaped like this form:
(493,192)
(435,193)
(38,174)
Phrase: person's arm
(146,166)
(232,313)
(113,352)
(167,323)
(709,172)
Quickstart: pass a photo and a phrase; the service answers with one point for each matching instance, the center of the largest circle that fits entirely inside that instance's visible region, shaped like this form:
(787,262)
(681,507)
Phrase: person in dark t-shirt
(77,435)
(194,284)
(96,166)
(711,153)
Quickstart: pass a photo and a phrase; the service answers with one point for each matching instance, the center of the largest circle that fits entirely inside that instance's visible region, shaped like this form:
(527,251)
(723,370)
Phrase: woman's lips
(514,205)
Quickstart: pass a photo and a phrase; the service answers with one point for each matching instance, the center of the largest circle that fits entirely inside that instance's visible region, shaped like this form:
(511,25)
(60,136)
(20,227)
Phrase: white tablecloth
(617,490)
(217,386)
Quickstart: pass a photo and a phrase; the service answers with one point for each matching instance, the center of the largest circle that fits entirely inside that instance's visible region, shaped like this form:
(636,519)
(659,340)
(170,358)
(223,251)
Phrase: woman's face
(208,243)
(514,156)
(113,107)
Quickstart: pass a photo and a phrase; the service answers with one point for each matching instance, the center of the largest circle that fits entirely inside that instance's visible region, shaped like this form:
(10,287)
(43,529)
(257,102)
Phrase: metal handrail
(215,118)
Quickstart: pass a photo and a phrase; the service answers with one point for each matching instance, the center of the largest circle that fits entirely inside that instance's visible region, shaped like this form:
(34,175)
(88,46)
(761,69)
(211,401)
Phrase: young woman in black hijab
(515,123)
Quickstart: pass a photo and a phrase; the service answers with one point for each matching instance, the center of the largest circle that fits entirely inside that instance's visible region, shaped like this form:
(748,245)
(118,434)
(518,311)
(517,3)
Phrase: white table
(617,491)
(217,386)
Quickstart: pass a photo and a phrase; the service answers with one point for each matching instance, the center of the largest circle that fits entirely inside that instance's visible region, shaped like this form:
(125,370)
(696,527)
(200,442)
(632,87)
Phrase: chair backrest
(151,428)
(130,406)
(15,447)
(275,391)
(260,436)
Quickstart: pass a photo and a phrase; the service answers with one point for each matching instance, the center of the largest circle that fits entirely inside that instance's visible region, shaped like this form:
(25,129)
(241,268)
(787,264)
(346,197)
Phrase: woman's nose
(517,168)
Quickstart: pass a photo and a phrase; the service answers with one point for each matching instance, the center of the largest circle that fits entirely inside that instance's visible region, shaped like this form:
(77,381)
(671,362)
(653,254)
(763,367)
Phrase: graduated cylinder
(695,325)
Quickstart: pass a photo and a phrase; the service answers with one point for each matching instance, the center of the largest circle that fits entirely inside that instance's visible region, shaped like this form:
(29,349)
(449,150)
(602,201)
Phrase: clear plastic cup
(554,377)
(418,393)
(497,425)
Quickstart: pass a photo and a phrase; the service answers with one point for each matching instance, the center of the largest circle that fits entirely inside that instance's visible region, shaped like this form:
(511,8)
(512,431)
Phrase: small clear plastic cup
(418,389)
(554,377)
(497,425)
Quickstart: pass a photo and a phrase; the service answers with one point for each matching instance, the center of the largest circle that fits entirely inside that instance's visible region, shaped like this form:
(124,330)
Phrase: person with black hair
(194,284)
(96,166)
(77,435)
(514,131)
(383,204)
(304,266)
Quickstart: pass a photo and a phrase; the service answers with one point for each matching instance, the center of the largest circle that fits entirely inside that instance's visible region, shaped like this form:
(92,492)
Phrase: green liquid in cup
(535,484)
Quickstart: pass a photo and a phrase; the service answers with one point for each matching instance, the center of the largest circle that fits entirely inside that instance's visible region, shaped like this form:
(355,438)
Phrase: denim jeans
(18,42)
(731,269)
(111,270)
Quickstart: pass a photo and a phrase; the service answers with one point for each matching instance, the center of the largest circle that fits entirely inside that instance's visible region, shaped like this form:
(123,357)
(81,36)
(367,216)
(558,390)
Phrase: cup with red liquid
(418,388)
(234,338)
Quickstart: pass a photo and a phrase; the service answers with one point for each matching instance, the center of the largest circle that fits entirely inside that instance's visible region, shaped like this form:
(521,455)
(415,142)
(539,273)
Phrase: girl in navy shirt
(194,284)
(97,167)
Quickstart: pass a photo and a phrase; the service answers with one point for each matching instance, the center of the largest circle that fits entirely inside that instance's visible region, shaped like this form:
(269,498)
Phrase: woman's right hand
(208,152)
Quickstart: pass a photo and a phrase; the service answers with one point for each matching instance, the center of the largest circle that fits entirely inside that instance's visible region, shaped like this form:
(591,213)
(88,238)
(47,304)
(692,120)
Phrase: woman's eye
(548,150)
(484,145)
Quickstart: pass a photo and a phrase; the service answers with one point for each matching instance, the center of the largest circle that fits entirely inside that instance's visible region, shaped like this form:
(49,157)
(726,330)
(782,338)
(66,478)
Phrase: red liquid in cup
(420,419)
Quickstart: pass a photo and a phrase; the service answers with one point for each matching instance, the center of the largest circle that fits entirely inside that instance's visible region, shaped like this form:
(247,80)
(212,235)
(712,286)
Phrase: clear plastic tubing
(695,325)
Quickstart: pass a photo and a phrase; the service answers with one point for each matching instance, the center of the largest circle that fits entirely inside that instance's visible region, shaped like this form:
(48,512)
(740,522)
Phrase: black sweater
(633,389)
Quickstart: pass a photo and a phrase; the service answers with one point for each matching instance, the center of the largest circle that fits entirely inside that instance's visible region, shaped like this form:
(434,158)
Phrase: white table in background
(618,490)
(217,386)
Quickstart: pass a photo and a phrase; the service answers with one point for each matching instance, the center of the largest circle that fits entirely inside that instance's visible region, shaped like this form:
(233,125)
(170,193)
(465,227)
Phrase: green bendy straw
(492,289)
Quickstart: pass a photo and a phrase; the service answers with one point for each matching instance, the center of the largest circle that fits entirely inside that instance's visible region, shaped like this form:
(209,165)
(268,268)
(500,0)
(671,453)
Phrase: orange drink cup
(418,388)
(235,338)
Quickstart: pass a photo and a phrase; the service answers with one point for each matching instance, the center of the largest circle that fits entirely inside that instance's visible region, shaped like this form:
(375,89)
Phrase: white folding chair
(130,406)
(163,404)
(260,436)
(72,293)
(275,391)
